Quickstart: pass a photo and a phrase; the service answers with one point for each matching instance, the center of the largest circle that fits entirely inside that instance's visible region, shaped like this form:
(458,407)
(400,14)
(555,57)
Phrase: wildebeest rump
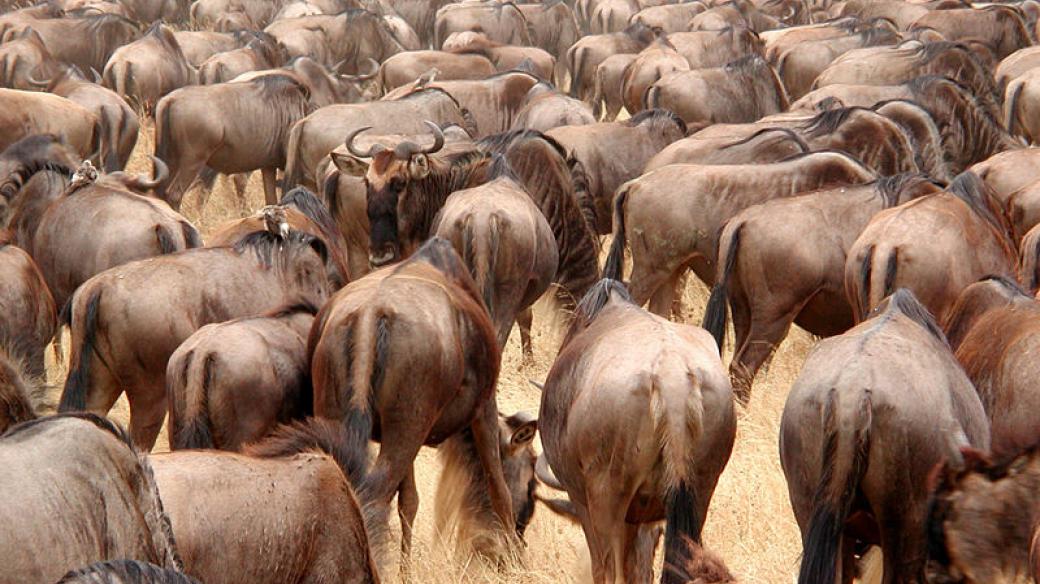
(637,423)
(872,411)
(110,508)
(407,356)
(29,315)
(170,297)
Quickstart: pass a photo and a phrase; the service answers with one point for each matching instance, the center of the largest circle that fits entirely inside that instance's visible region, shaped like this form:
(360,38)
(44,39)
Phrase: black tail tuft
(74,396)
(167,244)
(683,524)
(197,430)
(715,313)
(615,265)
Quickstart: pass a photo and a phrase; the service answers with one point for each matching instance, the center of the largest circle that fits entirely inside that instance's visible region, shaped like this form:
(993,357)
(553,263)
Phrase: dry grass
(750,523)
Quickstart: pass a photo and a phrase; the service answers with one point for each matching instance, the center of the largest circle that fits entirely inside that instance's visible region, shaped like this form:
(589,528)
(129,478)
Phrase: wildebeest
(301,523)
(30,317)
(546,107)
(504,57)
(800,65)
(230,383)
(19,391)
(612,153)
(501,22)
(606,93)
(110,505)
(148,68)
(406,187)
(637,423)
(715,48)
(92,227)
(353,36)
(967,239)
(651,64)
(420,15)
(126,572)
(117,121)
(1009,171)
(171,297)
(783,262)
(493,101)
(263,52)
(1020,106)
(463,510)
(741,91)
(669,17)
(585,55)
(33,172)
(1001,28)
(319,133)
(86,42)
(298,210)
(229,128)
(554,28)
(872,411)
(1014,65)
(21,57)
(982,525)
(994,330)
(729,144)
(679,211)
(24,113)
(370,374)
(403,68)
(508,246)
(199,45)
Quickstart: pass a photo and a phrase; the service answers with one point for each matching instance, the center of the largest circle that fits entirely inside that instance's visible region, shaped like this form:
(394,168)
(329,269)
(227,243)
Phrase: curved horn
(546,474)
(350,144)
(160,174)
(540,386)
(97,76)
(373,70)
(438,138)
(39,83)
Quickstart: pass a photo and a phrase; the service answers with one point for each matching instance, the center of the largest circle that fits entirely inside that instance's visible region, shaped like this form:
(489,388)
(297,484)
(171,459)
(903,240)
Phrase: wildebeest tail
(481,254)
(192,428)
(109,143)
(293,165)
(165,149)
(1014,92)
(615,265)
(166,240)
(77,384)
(715,313)
(844,459)
(577,62)
(192,239)
(652,97)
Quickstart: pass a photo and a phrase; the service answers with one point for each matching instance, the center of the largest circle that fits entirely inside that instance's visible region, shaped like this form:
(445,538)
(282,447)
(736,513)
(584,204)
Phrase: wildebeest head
(395,194)
(516,434)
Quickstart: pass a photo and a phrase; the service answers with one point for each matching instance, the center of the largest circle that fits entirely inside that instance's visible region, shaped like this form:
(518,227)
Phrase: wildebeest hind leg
(401,441)
(147,410)
(524,320)
(270,195)
(663,300)
(407,508)
(764,335)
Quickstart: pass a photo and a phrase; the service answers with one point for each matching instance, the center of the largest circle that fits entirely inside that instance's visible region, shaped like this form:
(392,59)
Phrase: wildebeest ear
(349,165)
(419,166)
(524,433)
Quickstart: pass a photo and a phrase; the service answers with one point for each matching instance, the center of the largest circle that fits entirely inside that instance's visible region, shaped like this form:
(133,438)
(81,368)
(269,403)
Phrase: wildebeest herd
(430,170)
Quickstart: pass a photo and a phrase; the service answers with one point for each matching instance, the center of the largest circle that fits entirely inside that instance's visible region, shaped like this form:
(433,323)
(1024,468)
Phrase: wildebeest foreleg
(269,175)
(485,437)
(407,508)
(524,320)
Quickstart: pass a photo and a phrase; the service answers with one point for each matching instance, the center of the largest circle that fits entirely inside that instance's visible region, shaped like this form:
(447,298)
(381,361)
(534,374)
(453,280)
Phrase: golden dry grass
(749,524)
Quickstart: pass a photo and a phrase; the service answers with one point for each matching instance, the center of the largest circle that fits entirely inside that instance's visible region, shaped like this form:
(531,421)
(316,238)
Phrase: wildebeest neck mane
(791,134)
(829,120)
(314,435)
(301,307)
(593,302)
(99,421)
(841,153)
(126,572)
(307,203)
(888,188)
(905,303)
(269,247)
(656,116)
(441,255)
(968,187)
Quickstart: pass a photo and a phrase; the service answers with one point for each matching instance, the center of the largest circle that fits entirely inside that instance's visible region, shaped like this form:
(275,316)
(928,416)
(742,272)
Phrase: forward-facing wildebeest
(508,246)
(229,128)
(983,521)
(612,153)
(148,68)
(783,262)
(994,330)
(171,297)
(126,572)
(637,423)
(24,113)
(117,121)
(741,91)
(231,383)
(313,137)
(407,356)
(30,318)
(501,22)
(967,240)
(406,187)
(678,212)
(871,413)
(301,522)
(109,502)
(463,510)
(95,226)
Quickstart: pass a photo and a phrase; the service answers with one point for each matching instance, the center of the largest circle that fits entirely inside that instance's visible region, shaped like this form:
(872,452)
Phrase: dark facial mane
(125,572)
(593,302)
(654,116)
(314,435)
(905,303)
(269,247)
